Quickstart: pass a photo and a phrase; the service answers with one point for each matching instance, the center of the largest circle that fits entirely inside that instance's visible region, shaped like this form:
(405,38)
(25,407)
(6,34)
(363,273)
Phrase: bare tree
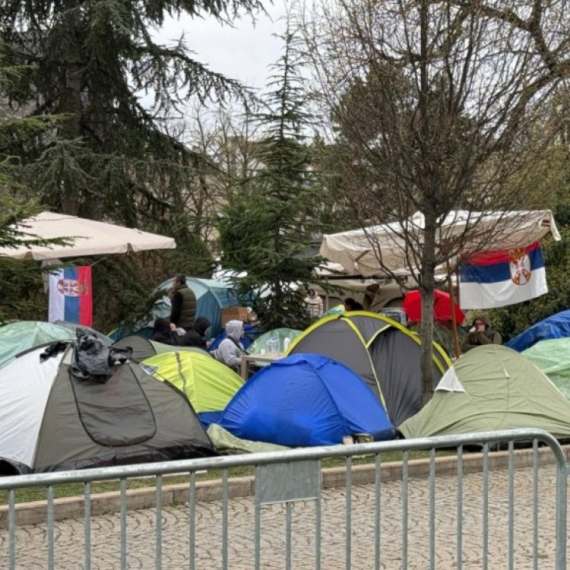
(435,106)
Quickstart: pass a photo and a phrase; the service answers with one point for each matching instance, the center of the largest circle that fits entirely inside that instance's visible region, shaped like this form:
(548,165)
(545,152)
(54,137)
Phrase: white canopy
(89,238)
(358,251)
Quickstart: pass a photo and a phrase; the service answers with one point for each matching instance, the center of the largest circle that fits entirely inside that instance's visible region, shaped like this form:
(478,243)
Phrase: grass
(77,489)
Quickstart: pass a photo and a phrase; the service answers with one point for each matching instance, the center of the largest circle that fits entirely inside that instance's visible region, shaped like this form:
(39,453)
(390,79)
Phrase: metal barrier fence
(290,478)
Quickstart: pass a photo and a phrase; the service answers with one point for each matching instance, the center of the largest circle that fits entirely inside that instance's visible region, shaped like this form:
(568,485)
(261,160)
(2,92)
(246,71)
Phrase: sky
(244,51)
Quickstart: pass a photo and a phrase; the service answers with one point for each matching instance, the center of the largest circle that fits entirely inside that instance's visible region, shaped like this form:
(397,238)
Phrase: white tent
(358,251)
(88,238)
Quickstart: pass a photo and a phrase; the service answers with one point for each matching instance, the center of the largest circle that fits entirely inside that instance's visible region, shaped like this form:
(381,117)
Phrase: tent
(208,384)
(260,345)
(51,421)
(359,251)
(381,351)
(74,326)
(304,400)
(211,297)
(556,326)
(144,348)
(553,358)
(492,387)
(20,336)
(87,237)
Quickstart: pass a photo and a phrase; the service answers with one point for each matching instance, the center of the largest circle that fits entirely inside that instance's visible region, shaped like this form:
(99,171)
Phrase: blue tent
(211,297)
(303,400)
(556,326)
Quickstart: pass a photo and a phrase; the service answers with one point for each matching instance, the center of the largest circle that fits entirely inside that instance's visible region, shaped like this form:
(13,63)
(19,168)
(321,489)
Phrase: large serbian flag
(70,296)
(498,279)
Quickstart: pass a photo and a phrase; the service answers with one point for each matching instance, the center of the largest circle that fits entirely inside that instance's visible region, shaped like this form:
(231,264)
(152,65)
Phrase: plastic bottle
(273,345)
(286,344)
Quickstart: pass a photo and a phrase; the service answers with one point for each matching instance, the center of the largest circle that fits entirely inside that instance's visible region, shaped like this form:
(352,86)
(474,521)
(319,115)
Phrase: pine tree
(270,223)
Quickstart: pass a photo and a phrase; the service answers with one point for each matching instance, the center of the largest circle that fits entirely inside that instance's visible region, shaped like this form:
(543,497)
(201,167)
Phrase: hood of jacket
(234,329)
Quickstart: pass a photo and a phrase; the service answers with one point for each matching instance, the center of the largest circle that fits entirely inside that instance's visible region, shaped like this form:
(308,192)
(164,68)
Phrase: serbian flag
(497,279)
(70,296)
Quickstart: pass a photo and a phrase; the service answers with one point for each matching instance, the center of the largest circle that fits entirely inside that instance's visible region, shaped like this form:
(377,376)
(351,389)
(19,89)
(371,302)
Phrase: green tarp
(489,388)
(553,358)
(20,336)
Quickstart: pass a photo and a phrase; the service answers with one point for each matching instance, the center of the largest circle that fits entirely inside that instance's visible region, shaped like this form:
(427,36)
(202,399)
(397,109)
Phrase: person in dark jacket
(481,333)
(183,303)
(162,332)
(196,336)
(351,305)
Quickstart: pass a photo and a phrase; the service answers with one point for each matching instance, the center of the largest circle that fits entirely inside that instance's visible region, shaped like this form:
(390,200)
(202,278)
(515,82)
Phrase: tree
(270,222)
(437,105)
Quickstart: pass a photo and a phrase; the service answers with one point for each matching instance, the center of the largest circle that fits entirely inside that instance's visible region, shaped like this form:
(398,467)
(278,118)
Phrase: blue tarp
(556,326)
(303,400)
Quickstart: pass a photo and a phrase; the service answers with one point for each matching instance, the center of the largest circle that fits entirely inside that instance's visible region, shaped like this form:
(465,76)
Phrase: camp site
(284,285)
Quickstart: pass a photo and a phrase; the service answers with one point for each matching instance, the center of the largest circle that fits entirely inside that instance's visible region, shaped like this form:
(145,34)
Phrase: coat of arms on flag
(497,279)
(70,296)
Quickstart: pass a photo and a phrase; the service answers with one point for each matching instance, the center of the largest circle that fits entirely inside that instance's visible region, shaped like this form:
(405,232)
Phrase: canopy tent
(50,420)
(89,238)
(305,400)
(556,326)
(441,307)
(144,348)
(263,343)
(553,358)
(381,351)
(489,388)
(358,251)
(20,336)
(208,384)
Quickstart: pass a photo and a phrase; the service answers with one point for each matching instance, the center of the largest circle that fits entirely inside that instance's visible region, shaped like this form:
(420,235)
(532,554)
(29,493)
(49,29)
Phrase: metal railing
(288,477)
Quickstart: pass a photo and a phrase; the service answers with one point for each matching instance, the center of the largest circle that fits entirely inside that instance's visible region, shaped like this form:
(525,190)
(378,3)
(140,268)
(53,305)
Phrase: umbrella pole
(453,317)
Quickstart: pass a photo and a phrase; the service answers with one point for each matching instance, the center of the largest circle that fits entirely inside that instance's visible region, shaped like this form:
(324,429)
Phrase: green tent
(208,384)
(553,358)
(489,388)
(144,348)
(260,346)
(20,336)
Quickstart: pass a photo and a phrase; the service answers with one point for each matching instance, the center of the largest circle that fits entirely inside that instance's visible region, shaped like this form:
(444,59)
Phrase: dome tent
(20,336)
(51,420)
(381,351)
(208,384)
(555,326)
(492,387)
(144,348)
(305,400)
(553,358)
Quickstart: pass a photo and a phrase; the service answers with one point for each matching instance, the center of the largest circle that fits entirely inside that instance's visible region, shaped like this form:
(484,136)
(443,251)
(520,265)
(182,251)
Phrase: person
(231,349)
(314,304)
(183,304)
(196,336)
(481,333)
(164,332)
(351,305)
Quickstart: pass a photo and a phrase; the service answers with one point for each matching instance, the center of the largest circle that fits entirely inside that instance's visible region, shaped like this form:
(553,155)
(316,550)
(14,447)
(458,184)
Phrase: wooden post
(453,319)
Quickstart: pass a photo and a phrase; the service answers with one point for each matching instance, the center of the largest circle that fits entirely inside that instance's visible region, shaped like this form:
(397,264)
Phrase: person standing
(314,304)
(183,304)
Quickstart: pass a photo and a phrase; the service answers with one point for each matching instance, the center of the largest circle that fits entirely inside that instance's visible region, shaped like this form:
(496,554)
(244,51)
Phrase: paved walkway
(69,535)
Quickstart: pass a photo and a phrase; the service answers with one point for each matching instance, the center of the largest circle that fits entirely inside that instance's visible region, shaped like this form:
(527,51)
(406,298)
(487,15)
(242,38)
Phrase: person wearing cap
(314,304)
(481,333)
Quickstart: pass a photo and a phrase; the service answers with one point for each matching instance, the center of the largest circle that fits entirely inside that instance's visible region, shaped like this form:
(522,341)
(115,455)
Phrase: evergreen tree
(267,228)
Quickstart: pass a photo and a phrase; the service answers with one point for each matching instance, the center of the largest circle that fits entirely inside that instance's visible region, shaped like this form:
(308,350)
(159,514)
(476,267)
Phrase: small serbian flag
(497,279)
(70,296)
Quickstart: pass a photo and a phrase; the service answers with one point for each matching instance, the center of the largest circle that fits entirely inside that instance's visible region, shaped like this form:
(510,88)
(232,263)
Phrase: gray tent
(381,351)
(51,420)
(144,348)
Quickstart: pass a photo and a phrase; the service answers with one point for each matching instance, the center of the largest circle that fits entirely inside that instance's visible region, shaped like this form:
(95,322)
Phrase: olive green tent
(208,384)
(491,387)
(20,336)
(144,348)
(553,358)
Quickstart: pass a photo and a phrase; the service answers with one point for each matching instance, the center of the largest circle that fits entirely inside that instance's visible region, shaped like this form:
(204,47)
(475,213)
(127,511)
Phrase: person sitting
(481,333)
(231,349)
(164,332)
(352,305)
(314,304)
(196,336)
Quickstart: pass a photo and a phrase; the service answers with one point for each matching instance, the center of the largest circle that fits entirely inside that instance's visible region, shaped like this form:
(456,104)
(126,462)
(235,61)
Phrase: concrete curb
(334,477)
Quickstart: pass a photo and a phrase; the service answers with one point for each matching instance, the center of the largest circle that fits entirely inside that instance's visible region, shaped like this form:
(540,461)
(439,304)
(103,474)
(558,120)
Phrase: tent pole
(453,319)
